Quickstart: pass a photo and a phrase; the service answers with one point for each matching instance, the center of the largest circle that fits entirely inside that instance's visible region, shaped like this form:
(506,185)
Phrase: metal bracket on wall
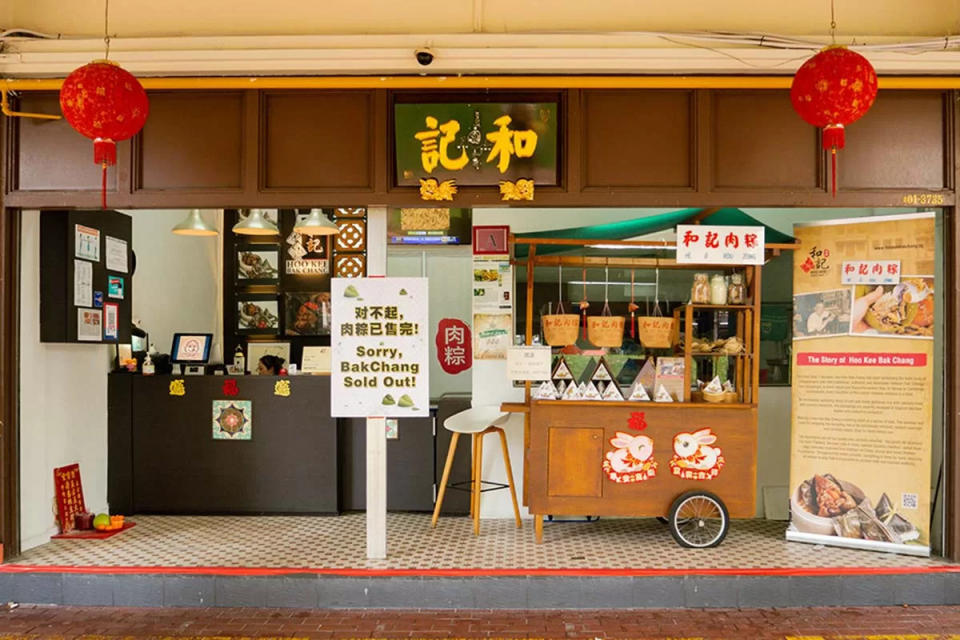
(5,108)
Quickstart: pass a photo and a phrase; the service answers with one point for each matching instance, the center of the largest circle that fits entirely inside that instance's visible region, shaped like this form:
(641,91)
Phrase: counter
(163,458)
(570,445)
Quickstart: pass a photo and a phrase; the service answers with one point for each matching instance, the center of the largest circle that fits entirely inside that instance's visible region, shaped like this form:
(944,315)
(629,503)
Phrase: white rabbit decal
(693,456)
(632,460)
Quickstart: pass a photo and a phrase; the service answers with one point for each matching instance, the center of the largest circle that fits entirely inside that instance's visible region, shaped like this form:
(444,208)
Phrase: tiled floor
(339,542)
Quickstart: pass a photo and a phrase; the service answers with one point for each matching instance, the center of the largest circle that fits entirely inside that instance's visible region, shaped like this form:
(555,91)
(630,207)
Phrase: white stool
(478,421)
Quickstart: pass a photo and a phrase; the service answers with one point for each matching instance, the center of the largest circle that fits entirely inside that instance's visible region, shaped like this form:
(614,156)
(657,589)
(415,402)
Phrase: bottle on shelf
(718,289)
(148,367)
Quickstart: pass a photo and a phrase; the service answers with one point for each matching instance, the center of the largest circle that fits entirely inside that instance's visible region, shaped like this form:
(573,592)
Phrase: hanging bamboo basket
(560,329)
(656,331)
(606,330)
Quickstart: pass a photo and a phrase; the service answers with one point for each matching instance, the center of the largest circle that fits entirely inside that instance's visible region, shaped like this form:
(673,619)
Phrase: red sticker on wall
(454,345)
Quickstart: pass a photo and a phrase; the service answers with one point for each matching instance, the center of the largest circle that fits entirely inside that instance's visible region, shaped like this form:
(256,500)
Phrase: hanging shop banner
(492,307)
(862,395)
(454,345)
(705,244)
(476,144)
(380,348)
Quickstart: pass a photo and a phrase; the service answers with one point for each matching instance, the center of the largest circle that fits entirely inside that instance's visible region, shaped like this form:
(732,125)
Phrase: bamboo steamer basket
(560,329)
(606,331)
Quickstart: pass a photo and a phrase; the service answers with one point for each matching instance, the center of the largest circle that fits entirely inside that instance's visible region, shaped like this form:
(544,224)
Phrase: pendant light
(194,225)
(317,224)
(256,224)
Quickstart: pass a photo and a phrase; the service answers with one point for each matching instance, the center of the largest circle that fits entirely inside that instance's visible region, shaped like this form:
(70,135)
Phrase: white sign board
(707,244)
(380,340)
(870,272)
(528,363)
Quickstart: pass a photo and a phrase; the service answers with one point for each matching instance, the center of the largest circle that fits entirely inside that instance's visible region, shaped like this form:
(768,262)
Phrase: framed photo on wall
(258,264)
(256,350)
(307,314)
(258,314)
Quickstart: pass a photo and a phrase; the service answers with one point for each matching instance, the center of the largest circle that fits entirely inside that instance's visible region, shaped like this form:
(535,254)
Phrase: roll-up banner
(862,396)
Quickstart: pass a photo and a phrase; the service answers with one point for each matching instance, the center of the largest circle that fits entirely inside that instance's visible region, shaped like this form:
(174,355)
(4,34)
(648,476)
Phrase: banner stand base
(853,543)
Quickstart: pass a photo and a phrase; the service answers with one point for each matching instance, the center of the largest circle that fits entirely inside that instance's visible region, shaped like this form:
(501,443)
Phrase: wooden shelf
(646,404)
(706,354)
(719,307)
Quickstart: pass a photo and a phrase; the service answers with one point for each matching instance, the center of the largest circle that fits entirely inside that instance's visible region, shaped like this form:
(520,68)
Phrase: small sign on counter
(528,363)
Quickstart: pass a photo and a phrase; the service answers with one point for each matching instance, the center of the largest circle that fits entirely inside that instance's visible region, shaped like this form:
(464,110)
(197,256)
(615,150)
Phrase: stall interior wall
(63,387)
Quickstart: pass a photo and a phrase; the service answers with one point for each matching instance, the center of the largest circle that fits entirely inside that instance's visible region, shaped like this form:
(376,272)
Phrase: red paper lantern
(831,90)
(107,104)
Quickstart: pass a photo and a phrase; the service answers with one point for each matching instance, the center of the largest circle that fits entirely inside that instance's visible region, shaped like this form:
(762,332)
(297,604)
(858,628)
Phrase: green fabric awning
(644,226)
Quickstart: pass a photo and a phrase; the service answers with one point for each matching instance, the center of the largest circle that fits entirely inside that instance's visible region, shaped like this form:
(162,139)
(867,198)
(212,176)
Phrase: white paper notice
(706,244)
(87,243)
(116,254)
(380,339)
(315,360)
(82,284)
(528,363)
(89,325)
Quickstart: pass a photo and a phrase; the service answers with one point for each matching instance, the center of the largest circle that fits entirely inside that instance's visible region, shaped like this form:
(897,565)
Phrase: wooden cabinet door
(574,457)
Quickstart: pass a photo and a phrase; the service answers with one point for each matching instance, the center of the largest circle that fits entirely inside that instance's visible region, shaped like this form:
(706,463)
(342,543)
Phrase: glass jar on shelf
(736,292)
(700,292)
(718,289)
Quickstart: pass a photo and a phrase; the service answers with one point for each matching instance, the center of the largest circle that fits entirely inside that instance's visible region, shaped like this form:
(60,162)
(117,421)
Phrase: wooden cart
(571,461)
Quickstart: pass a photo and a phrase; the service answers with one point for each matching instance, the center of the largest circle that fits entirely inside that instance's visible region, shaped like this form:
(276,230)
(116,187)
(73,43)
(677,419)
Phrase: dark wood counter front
(163,457)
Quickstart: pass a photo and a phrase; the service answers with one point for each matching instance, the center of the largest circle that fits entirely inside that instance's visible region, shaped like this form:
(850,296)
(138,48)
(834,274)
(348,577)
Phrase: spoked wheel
(698,520)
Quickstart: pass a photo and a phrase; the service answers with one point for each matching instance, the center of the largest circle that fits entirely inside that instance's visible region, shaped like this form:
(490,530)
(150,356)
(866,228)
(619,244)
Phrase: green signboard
(476,144)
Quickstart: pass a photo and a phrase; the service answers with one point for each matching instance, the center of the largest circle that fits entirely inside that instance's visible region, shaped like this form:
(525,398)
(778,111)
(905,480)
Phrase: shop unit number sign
(705,244)
(380,347)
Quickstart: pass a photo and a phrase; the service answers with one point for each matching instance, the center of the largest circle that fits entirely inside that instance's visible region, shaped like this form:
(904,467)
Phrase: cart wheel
(699,520)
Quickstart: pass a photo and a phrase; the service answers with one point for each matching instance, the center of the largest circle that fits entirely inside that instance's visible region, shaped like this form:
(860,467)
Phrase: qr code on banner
(908,500)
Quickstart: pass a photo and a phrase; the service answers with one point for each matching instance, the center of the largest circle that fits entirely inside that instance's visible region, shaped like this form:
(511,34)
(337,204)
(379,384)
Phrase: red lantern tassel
(833,139)
(105,153)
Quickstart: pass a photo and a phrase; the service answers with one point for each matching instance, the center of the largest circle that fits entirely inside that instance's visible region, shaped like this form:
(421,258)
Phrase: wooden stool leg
(509,468)
(538,528)
(473,467)
(446,478)
(477,486)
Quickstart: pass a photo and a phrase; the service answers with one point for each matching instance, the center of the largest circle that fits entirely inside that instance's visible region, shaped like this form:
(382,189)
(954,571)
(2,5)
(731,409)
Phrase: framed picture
(305,255)
(232,420)
(491,240)
(256,350)
(258,314)
(258,264)
(307,314)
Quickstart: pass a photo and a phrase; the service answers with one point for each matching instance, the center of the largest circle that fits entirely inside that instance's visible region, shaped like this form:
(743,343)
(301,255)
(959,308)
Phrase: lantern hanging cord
(833,23)
(106,33)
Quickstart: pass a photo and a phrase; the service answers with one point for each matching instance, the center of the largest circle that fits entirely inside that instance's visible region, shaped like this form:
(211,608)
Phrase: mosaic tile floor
(338,542)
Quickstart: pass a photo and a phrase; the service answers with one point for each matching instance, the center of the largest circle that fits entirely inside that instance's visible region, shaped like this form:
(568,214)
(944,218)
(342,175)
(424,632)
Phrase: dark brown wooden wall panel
(193,141)
(759,141)
(637,139)
(898,144)
(318,140)
(52,156)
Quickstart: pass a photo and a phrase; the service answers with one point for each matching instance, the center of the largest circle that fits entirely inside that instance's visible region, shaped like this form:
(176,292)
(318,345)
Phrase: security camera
(424,57)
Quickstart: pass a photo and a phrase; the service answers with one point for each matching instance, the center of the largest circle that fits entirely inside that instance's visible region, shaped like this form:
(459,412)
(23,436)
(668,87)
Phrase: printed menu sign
(380,344)
(862,396)
(706,244)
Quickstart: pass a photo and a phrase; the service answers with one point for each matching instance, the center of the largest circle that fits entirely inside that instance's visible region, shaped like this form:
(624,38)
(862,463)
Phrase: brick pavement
(37,622)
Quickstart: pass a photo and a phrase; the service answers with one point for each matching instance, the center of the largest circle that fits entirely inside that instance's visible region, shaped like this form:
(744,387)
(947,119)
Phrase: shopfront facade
(623,142)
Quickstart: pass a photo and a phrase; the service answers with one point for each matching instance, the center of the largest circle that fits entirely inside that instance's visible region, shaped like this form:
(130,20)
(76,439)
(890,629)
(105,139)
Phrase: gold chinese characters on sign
(522,189)
(437,139)
(432,189)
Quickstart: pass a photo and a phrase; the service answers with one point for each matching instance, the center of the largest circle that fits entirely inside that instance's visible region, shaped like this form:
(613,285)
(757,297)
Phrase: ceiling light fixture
(194,225)
(317,224)
(256,224)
